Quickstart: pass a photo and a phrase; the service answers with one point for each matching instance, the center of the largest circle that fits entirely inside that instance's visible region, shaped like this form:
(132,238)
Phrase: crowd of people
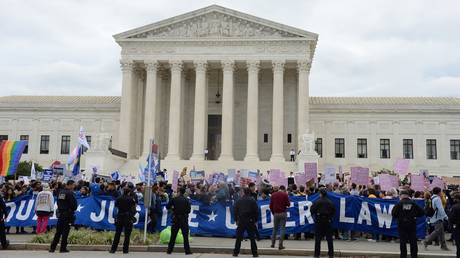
(441,209)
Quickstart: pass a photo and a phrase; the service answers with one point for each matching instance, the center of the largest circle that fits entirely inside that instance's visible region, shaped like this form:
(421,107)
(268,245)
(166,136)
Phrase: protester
(67,204)
(44,208)
(126,206)
(279,202)
(437,220)
(323,211)
(246,214)
(406,213)
(454,220)
(180,207)
(5,243)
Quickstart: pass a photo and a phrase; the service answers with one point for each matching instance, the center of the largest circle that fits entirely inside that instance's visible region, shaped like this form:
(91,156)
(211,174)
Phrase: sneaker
(272,246)
(281,247)
(51,250)
(235,255)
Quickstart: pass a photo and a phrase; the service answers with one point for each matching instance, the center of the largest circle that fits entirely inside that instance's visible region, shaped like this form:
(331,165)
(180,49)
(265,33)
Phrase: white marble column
(227,110)
(126,112)
(252,111)
(150,104)
(278,110)
(200,115)
(303,116)
(174,111)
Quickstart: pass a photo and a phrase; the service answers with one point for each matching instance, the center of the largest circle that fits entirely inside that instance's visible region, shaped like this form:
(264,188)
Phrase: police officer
(180,207)
(406,213)
(126,206)
(246,213)
(5,243)
(454,220)
(67,204)
(323,211)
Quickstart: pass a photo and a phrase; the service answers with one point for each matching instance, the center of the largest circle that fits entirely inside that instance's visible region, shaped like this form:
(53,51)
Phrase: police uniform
(67,204)
(181,208)
(454,220)
(246,213)
(126,206)
(5,243)
(323,211)
(406,213)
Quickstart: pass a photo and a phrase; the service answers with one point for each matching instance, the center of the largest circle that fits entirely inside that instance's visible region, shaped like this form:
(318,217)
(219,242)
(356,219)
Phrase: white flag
(82,138)
(33,173)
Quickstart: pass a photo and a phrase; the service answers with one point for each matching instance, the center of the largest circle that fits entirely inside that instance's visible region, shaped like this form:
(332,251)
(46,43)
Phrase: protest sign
(418,182)
(437,182)
(175,180)
(311,171)
(300,179)
(197,176)
(329,175)
(360,176)
(231,173)
(388,181)
(402,166)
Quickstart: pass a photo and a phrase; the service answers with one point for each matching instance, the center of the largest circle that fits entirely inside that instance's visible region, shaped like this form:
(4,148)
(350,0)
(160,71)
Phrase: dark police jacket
(180,207)
(246,210)
(406,213)
(3,212)
(67,204)
(454,215)
(126,206)
(323,210)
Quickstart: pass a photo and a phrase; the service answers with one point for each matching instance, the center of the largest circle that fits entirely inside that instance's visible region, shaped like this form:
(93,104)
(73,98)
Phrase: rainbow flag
(10,154)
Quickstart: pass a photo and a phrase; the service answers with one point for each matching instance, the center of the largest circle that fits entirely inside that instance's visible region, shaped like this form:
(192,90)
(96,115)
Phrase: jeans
(437,233)
(279,223)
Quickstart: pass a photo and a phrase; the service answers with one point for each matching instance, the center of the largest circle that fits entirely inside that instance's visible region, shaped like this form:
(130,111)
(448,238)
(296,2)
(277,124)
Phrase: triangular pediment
(215,22)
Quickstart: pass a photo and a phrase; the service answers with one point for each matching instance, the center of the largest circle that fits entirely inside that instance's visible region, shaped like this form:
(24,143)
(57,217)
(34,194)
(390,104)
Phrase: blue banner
(352,213)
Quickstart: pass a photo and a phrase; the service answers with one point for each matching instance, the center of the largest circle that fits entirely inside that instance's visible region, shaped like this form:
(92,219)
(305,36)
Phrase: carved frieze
(215,24)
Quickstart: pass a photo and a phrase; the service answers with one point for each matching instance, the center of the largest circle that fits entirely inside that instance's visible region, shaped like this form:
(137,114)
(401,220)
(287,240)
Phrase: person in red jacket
(279,202)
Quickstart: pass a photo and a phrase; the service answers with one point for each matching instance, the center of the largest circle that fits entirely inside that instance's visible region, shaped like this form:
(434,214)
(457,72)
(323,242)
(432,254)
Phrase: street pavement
(360,246)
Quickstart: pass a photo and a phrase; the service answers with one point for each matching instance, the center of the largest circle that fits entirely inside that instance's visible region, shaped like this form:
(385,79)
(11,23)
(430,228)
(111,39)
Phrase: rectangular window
(65,144)
(25,138)
(339,147)
(384,148)
(455,149)
(265,137)
(408,148)
(319,146)
(289,138)
(45,144)
(3,138)
(431,152)
(362,148)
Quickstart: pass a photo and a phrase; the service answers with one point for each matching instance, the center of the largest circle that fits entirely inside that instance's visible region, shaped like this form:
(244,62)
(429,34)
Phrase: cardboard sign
(360,176)
(418,182)
(437,182)
(231,173)
(388,181)
(311,171)
(197,176)
(402,166)
(300,179)
(175,180)
(329,175)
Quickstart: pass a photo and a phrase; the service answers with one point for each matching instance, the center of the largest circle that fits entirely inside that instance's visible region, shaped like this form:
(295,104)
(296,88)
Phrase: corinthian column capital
(303,65)
(151,65)
(200,65)
(126,65)
(278,65)
(253,65)
(176,65)
(228,65)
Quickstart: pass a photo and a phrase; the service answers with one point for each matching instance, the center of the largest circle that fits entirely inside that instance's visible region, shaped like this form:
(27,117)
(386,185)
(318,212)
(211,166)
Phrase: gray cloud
(366,48)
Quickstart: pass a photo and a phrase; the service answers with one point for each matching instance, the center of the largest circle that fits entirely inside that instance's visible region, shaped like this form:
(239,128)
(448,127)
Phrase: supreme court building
(236,86)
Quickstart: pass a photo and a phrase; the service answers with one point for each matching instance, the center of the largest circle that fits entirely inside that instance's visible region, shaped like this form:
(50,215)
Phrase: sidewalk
(293,247)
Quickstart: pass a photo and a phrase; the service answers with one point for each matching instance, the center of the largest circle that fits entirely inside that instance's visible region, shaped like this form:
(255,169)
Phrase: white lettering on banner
(138,209)
(228,219)
(12,206)
(365,214)
(192,215)
(164,217)
(264,209)
(111,206)
(24,216)
(343,218)
(101,215)
(290,223)
(305,214)
(384,216)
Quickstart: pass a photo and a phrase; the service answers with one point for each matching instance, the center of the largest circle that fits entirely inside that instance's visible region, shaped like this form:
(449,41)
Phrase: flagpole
(147,202)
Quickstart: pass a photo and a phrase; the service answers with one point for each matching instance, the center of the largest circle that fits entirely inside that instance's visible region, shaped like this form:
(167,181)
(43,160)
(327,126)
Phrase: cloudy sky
(365,48)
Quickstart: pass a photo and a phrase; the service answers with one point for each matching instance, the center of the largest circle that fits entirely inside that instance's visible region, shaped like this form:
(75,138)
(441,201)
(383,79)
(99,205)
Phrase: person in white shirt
(292,154)
(44,208)
(206,154)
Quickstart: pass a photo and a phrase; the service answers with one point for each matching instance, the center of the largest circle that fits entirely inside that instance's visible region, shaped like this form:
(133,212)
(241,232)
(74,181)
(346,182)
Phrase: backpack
(429,211)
